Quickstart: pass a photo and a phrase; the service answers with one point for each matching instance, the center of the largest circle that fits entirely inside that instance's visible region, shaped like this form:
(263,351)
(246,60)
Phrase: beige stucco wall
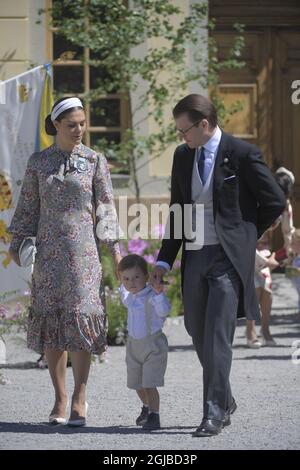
(162,166)
(22,41)
(23,45)
(154,175)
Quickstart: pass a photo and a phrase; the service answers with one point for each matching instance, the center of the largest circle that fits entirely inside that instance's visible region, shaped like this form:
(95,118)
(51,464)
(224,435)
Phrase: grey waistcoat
(204,195)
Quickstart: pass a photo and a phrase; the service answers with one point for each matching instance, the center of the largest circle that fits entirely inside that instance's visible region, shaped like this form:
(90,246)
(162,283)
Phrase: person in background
(286,180)
(294,273)
(265,262)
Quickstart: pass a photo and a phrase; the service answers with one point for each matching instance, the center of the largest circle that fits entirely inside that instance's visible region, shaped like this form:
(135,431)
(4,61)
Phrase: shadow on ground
(45,428)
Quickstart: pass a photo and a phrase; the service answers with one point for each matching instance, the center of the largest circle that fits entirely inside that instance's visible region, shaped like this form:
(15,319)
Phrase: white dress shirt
(210,151)
(136,307)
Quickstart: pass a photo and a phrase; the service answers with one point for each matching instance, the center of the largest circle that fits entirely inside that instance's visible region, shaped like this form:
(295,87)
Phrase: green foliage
(117,317)
(111,30)
(116,312)
(14,321)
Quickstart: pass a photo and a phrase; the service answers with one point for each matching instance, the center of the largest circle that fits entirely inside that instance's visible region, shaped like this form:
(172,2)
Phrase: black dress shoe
(208,427)
(232,407)
(226,420)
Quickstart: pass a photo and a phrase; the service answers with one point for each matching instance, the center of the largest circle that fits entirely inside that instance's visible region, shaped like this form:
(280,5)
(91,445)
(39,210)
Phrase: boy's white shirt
(135,304)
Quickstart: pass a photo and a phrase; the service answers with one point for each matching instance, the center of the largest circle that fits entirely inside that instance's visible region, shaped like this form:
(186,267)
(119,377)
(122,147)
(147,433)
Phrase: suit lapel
(219,170)
(187,172)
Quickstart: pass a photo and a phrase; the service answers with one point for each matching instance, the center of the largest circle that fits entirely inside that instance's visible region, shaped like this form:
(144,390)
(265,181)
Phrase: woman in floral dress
(63,187)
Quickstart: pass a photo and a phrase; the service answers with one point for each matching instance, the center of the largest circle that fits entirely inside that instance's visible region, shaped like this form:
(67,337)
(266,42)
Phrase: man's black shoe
(226,421)
(208,427)
(232,407)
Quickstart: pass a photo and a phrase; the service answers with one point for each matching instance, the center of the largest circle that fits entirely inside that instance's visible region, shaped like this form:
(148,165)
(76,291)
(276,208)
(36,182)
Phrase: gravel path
(265,382)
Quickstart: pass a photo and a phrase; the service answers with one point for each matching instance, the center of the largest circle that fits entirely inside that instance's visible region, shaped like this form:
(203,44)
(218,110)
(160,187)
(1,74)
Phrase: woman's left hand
(117,259)
(15,256)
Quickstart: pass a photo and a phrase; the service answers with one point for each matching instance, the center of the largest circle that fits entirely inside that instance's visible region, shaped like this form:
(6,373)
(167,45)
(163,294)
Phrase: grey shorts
(146,361)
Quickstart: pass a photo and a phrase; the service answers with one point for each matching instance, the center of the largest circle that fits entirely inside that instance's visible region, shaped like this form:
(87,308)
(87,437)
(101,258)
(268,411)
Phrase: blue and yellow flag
(44,140)
(25,101)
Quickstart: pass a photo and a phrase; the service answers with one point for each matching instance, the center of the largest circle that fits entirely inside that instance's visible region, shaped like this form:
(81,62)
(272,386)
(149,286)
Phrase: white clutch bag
(27,252)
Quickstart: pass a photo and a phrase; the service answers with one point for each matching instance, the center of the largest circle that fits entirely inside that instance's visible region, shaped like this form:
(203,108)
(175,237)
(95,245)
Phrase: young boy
(147,346)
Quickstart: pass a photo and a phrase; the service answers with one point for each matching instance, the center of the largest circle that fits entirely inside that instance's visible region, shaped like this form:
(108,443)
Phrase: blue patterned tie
(201,165)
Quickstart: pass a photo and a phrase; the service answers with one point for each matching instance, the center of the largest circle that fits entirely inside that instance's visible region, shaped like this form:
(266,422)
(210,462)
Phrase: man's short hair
(197,107)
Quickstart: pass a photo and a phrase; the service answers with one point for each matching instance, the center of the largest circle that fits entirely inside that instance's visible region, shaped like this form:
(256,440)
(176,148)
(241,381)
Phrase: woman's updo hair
(49,126)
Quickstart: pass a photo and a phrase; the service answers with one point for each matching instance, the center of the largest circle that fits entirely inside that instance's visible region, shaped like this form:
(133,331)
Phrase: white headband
(64,105)
(284,170)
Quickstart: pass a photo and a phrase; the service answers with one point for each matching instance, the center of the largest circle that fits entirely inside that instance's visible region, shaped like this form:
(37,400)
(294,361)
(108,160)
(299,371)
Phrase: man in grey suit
(241,200)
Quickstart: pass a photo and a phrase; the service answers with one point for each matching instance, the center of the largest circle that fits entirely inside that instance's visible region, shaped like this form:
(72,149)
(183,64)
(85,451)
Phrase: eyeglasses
(181,131)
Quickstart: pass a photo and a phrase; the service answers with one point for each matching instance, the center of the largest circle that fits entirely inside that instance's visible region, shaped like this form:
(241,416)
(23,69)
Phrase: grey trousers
(211,295)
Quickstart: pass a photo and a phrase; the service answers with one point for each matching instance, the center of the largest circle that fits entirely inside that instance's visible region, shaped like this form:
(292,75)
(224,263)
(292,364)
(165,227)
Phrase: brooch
(80,165)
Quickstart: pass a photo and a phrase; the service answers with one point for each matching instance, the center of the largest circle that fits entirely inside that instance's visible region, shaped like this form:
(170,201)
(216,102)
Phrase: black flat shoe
(208,427)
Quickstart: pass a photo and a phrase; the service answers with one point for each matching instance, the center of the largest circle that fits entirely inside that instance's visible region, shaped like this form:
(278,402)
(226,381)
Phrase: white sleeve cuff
(161,304)
(124,295)
(163,264)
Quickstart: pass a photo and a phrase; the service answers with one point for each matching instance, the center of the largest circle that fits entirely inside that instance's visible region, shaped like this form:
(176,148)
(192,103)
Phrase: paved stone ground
(265,382)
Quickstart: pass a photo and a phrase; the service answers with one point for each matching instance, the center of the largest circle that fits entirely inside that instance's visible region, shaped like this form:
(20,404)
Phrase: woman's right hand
(15,257)
(117,259)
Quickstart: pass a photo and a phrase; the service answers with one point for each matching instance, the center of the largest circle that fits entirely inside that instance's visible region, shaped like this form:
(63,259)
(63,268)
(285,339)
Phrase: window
(107,116)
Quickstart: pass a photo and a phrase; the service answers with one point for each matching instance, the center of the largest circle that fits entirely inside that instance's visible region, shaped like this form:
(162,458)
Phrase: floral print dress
(57,204)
